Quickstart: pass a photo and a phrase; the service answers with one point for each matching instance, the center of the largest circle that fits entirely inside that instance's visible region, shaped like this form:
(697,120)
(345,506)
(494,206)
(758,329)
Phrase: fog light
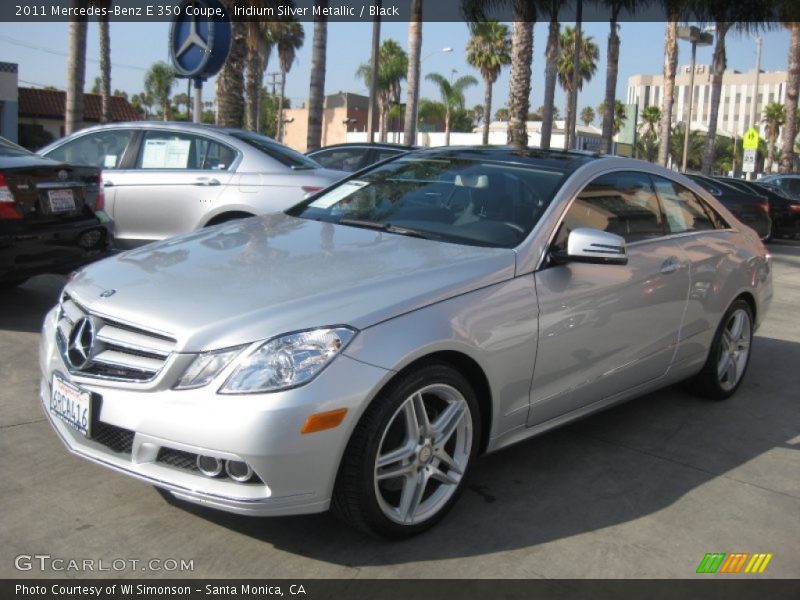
(209,465)
(90,239)
(238,471)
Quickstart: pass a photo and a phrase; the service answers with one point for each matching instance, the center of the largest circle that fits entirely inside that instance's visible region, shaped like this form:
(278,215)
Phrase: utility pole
(273,80)
(754,102)
(373,78)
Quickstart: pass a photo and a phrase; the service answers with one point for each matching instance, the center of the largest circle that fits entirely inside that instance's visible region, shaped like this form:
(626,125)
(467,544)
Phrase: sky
(40,50)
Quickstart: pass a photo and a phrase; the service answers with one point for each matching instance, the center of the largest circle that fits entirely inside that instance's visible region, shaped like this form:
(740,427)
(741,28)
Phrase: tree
(647,146)
(670,69)
(612,68)
(501,114)
(452,97)
(620,116)
(587,115)
(316,92)
(774,119)
(76,73)
(651,115)
(259,47)
(230,79)
(524,16)
(288,37)
(554,112)
(158,83)
(488,50)
(790,16)
(392,69)
(431,114)
(182,99)
(694,156)
(412,92)
(548,110)
(105,61)
(589,54)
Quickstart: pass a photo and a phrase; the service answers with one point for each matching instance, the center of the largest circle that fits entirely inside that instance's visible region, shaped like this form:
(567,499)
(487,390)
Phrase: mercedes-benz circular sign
(200,38)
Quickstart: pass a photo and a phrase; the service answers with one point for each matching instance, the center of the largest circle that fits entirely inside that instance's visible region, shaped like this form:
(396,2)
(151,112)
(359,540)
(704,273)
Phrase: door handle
(107,183)
(206,181)
(671,265)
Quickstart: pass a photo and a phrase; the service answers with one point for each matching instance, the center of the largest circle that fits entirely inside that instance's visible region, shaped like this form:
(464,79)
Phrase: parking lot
(644,490)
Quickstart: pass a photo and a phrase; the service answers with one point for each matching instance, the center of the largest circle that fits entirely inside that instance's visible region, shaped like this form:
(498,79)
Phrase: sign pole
(197,116)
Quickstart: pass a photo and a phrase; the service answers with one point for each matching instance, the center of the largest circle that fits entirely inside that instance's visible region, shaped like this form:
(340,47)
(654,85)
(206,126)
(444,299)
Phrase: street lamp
(445,50)
(697,37)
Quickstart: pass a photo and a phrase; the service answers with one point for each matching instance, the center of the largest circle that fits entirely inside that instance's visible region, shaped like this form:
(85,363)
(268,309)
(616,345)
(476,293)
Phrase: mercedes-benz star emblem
(81,340)
(62,175)
(194,39)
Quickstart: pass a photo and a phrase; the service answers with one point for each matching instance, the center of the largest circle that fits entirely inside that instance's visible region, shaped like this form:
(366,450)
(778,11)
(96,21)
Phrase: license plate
(61,201)
(71,404)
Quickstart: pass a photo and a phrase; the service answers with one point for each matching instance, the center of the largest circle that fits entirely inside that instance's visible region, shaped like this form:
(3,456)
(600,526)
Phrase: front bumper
(136,430)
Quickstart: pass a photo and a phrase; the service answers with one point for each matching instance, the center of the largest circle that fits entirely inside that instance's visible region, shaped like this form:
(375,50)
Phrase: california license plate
(71,404)
(61,201)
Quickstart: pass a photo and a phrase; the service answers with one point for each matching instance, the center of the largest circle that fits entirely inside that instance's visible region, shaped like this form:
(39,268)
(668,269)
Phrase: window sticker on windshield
(166,154)
(110,162)
(340,193)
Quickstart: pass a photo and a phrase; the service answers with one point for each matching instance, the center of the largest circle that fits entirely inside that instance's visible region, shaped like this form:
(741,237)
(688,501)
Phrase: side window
(344,159)
(623,203)
(103,149)
(174,150)
(684,210)
(793,184)
(384,154)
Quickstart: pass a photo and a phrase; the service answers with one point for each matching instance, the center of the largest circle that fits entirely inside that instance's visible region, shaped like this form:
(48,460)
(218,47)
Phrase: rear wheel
(408,458)
(729,355)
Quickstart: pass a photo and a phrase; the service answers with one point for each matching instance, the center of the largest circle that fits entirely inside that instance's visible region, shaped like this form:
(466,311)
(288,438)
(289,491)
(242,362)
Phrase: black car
(789,183)
(51,217)
(749,208)
(783,209)
(353,157)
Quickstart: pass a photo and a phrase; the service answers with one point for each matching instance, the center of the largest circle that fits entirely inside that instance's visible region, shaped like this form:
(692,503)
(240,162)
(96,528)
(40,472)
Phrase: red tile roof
(49,104)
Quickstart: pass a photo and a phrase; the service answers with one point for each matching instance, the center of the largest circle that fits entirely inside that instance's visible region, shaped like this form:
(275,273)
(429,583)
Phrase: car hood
(263,276)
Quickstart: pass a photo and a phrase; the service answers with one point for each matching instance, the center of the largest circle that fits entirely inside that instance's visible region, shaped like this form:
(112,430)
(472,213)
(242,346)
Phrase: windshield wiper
(389,228)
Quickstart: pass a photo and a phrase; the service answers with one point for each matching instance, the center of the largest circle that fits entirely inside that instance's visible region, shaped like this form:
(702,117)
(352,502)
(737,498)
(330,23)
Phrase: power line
(14,42)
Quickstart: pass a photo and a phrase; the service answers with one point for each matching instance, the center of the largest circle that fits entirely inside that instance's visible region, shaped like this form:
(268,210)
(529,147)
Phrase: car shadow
(24,307)
(615,467)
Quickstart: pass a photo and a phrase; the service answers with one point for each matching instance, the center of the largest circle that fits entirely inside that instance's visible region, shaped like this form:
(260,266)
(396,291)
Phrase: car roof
(176,125)
(383,145)
(561,159)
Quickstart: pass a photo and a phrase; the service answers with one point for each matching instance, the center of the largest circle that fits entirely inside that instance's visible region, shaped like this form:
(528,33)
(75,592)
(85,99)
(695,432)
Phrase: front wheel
(729,354)
(410,454)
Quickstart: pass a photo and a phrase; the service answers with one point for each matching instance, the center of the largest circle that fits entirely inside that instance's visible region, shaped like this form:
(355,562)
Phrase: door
(604,329)
(175,181)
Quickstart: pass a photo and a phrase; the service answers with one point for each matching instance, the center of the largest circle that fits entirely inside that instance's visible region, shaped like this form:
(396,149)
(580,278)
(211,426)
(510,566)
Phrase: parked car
(167,178)
(750,209)
(51,216)
(788,183)
(359,351)
(355,156)
(783,210)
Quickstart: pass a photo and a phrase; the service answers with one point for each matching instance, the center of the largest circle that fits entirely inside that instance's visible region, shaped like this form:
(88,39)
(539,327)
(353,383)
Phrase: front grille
(119,351)
(178,459)
(112,437)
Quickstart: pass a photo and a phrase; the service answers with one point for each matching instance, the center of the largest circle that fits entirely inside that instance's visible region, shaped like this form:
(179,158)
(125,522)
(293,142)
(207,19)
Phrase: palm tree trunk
(670,68)
(612,68)
(412,96)
(447,126)
(105,67)
(572,116)
(487,111)
(76,74)
(771,152)
(384,121)
(567,119)
(790,105)
(230,81)
(524,15)
(550,74)
(279,129)
(256,63)
(316,94)
(717,70)
(166,109)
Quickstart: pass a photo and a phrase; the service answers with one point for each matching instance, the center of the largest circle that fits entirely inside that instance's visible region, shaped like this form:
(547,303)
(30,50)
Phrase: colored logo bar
(735,562)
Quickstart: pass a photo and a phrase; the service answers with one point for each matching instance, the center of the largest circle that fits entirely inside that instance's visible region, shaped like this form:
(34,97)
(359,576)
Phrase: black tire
(363,500)
(709,383)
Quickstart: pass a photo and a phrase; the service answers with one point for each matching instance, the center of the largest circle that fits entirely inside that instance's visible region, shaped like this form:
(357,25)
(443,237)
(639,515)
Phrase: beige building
(343,113)
(735,101)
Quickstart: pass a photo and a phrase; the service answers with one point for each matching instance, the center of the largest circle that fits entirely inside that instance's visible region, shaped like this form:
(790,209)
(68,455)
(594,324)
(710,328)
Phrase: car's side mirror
(589,245)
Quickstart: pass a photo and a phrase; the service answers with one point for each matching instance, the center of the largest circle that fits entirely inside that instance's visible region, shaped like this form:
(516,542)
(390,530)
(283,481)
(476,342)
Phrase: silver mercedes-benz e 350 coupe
(359,351)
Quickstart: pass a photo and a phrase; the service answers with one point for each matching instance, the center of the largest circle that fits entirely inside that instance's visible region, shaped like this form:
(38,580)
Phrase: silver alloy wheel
(735,349)
(423,454)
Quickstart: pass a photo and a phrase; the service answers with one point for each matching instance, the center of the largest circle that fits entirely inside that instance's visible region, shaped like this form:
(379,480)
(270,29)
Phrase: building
(735,100)
(41,114)
(343,112)
(9,99)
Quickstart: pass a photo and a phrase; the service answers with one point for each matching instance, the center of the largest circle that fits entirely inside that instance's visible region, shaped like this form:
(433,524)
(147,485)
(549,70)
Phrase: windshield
(455,199)
(11,149)
(285,156)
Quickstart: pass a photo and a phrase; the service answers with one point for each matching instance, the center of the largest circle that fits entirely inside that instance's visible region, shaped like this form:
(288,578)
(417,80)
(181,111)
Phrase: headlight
(205,367)
(287,361)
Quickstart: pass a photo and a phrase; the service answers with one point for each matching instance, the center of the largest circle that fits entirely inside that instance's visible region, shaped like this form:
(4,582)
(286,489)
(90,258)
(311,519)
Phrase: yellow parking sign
(750,139)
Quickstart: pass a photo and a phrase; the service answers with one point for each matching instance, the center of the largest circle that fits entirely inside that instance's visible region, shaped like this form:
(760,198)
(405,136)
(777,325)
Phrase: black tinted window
(684,210)
(343,159)
(283,154)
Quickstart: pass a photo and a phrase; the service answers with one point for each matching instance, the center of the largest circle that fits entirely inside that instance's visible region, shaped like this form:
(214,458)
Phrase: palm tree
(674,10)
(612,68)
(694,156)
(524,16)
(392,69)
(316,92)
(105,62)
(589,54)
(651,115)
(587,115)
(158,82)
(452,96)
(230,79)
(789,13)
(259,47)
(289,37)
(412,92)
(620,116)
(774,118)
(488,50)
(76,74)
(548,110)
